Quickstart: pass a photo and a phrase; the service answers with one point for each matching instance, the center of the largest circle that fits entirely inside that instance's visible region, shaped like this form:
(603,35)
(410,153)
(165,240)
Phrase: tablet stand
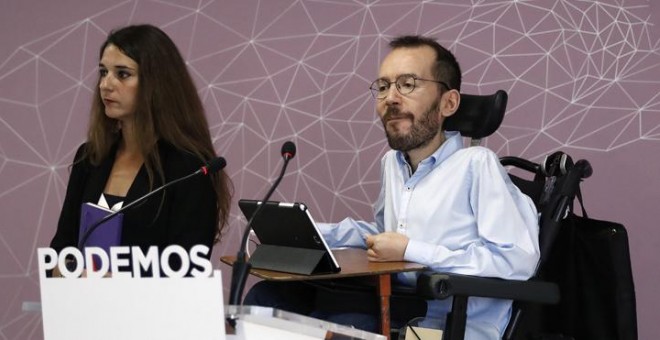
(292,260)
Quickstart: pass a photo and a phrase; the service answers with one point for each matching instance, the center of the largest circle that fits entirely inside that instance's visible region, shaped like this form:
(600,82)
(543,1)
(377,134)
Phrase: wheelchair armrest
(432,285)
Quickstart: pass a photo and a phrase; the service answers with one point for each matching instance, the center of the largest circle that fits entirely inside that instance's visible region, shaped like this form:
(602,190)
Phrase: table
(353,263)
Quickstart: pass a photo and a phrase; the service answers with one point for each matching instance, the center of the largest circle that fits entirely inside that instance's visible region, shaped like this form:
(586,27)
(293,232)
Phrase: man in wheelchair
(451,208)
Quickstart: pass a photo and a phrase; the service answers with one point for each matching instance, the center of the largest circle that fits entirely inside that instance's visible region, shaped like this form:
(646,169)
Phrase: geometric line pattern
(581,75)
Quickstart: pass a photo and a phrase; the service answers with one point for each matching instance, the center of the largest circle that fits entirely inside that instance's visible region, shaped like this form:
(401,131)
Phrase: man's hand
(387,246)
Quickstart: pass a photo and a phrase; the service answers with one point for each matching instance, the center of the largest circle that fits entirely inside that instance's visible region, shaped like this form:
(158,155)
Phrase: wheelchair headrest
(478,116)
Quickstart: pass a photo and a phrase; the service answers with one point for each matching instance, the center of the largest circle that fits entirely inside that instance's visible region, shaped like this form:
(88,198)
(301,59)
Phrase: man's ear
(450,102)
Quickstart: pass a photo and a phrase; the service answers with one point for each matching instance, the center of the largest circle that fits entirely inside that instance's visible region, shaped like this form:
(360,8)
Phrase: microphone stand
(242,266)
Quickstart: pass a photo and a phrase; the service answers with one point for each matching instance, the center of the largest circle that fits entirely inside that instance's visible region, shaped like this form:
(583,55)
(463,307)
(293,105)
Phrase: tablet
(289,239)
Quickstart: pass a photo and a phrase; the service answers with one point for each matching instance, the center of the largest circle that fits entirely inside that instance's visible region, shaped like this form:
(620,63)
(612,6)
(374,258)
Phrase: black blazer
(183,214)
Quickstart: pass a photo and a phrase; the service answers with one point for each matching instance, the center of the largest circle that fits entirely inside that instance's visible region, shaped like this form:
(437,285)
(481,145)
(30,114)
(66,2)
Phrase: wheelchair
(544,306)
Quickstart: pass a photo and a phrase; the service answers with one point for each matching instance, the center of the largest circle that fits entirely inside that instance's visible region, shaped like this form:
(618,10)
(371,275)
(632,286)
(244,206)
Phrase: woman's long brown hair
(168,108)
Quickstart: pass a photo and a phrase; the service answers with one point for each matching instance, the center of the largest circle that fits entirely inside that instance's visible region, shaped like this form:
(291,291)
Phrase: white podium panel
(133,308)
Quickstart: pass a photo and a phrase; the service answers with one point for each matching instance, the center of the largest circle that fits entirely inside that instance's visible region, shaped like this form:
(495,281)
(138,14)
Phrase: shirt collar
(453,142)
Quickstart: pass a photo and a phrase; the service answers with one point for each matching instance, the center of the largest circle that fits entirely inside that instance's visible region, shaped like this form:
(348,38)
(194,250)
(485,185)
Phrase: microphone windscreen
(288,150)
(215,165)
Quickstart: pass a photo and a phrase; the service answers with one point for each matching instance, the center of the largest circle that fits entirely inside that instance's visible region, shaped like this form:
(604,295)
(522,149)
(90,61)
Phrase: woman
(147,128)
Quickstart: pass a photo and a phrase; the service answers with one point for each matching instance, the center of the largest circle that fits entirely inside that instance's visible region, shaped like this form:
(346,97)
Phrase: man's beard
(421,132)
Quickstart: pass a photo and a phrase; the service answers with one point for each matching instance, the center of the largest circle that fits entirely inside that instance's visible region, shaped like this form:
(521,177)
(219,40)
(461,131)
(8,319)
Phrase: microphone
(210,168)
(241,266)
(288,150)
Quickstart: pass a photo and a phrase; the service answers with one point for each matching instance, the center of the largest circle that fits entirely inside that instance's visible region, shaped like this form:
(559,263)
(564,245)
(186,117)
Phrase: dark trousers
(357,308)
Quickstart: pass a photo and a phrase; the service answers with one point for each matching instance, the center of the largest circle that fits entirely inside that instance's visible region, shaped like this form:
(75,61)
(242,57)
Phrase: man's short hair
(445,68)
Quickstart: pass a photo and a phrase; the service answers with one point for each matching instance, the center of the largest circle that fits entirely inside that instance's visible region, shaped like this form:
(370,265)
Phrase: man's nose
(393,96)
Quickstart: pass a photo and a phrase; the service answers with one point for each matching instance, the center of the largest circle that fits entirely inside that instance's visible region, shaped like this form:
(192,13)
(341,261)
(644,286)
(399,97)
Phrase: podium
(253,322)
(168,308)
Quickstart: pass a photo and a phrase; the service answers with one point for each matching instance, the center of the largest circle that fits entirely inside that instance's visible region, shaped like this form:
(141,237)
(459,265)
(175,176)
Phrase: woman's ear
(450,102)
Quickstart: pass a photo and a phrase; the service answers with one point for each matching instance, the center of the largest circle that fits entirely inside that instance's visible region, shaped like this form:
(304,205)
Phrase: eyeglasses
(405,84)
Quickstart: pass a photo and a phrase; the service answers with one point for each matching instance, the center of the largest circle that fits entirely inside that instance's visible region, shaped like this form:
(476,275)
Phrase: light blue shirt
(463,215)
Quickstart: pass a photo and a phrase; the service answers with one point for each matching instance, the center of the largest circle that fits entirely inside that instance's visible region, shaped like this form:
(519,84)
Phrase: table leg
(384,292)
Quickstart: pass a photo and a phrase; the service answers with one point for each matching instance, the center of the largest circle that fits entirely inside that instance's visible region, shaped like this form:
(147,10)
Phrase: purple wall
(582,77)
